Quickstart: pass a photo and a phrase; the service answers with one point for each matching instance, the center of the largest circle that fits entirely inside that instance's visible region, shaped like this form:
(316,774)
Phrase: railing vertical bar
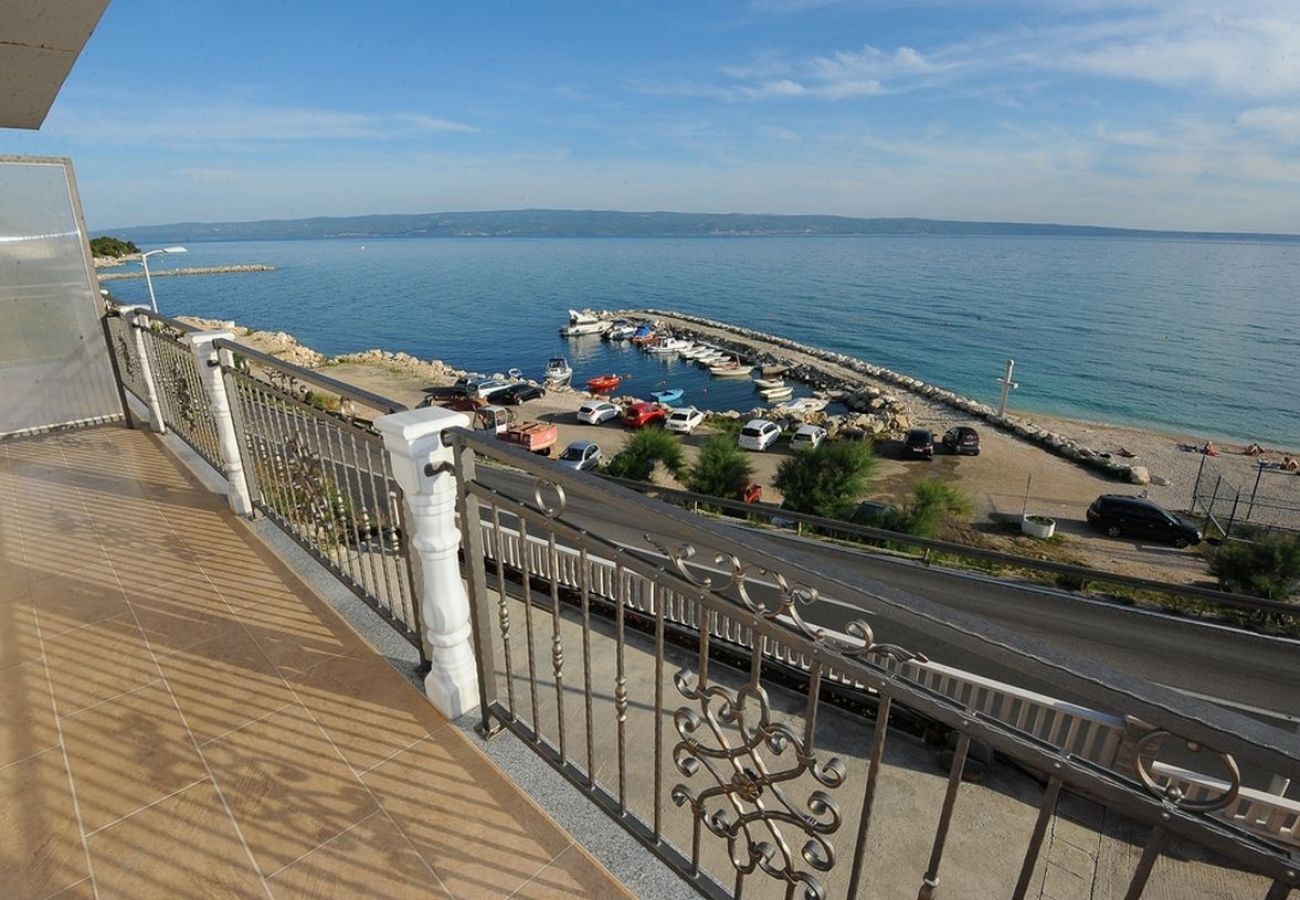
(584,577)
(330,493)
(620,683)
(881,731)
(472,541)
(810,711)
(503,609)
(1150,853)
(930,883)
(1279,890)
(285,488)
(361,475)
(1045,810)
(657,600)
(382,497)
(702,666)
(528,626)
(557,645)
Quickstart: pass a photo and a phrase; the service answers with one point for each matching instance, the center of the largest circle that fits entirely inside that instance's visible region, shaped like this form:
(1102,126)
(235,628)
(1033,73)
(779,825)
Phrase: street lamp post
(144,261)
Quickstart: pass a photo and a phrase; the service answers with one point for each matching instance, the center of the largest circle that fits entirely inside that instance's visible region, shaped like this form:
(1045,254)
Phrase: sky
(1179,115)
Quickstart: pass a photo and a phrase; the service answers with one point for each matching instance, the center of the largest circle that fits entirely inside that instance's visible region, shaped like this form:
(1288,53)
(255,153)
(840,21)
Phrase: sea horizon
(1145,332)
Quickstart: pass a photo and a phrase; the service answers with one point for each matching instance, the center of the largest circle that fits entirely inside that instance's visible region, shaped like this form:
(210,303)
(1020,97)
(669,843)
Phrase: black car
(519,392)
(962,440)
(1120,514)
(919,444)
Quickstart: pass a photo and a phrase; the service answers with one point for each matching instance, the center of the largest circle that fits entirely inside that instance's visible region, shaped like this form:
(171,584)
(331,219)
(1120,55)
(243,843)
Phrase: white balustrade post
(207,361)
(137,321)
(424,469)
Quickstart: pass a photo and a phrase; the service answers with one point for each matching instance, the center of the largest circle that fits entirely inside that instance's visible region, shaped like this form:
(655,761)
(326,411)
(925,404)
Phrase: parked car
(486,388)
(520,392)
(580,455)
(869,512)
(962,440)
(684,419)
(807,437)
(919,444)
(597,412)
(643,413)
(1121,514)
(860,435)
(759,434)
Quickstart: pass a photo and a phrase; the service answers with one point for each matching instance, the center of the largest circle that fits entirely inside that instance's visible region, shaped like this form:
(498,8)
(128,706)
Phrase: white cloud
(1281,122)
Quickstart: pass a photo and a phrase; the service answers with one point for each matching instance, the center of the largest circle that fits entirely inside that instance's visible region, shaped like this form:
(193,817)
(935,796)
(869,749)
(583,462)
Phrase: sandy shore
(996,481)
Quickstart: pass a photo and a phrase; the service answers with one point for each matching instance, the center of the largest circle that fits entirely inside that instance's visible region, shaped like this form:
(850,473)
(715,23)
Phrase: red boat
(603,384)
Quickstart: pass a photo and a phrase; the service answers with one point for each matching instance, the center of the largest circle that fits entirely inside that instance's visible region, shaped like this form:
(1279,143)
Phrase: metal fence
(1269,500)
(322,476)
(758,754)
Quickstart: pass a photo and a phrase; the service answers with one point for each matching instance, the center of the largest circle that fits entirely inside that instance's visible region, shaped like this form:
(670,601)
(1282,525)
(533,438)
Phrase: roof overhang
(39,42)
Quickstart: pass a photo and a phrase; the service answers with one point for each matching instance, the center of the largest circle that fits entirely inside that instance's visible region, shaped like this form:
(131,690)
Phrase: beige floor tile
(128,752)
(20,640)
(367,709)
(289,790)
(82,890)
(40,847)
(370,859)
(573,874)
(69,601)
(224,683)
(481,835)
(27,722)
(183,846)
(96,662)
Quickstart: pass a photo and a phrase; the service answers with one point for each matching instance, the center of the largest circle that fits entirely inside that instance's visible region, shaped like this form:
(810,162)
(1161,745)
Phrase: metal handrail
(1187,717)
(367,398)
(1085,573)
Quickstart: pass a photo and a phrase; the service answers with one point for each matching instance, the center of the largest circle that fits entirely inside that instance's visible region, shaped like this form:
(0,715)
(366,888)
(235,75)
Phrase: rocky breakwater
(889,415)
(192,270)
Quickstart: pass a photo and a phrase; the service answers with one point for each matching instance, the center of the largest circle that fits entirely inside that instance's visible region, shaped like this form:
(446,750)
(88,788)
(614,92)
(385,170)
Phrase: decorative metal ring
(552,512)
(1171,794)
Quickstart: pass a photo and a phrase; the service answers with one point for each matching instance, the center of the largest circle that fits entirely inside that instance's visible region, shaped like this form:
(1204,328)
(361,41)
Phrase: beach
(997,482)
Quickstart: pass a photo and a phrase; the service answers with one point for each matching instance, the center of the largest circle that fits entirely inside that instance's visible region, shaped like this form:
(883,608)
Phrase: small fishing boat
(807,404)
(766,384)
(729,371)
(778,369)
(558,371)
(621,330)
(603,384)
(644,334)
(516,374)
(775,395)
(584,323)
(697,351)
(712,358)
(662,345)
(668,397)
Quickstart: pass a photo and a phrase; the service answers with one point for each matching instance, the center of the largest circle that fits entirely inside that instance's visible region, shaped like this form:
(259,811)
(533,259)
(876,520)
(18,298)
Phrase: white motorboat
(583,323)
(806,405)
(767,384)
(558,371)
(663,345)
(699,351)
(712,358)
(620,331)
(775,395)
(733,369)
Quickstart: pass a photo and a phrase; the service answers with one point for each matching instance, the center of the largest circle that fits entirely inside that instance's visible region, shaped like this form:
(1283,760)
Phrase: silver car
(580,455)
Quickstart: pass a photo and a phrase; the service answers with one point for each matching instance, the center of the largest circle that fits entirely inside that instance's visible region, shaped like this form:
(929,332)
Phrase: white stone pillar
(423,468)
(207,361)
(137,321)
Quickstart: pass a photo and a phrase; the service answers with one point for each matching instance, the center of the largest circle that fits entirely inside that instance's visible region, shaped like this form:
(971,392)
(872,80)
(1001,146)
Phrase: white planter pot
(1038,526)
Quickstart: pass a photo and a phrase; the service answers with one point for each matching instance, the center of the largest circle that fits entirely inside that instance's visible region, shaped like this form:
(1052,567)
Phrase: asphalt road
(1251,673)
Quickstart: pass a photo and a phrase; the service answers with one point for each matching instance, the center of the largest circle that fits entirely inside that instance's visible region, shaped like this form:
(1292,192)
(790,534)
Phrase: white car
(759,434)
(684,419)
(596,412)
(808,437)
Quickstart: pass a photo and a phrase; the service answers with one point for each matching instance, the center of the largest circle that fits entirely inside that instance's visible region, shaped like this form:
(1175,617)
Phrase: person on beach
(1254,450)
(1291,464)
(1209,449)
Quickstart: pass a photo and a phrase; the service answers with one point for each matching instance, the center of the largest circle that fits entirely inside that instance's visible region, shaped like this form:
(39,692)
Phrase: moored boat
(644,334)
(767,384)
(583,323)
(603,384)
(778,369)
(668,397)
(620,330)
(729,371)
(558,371)
(774,395)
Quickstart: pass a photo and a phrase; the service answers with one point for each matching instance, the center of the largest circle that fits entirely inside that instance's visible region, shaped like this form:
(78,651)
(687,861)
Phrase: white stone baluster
(424,469)
(137,322)
(214,387)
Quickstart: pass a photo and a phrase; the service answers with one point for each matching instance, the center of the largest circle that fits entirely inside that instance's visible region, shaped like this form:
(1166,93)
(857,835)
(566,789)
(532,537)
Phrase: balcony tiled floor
(180,716)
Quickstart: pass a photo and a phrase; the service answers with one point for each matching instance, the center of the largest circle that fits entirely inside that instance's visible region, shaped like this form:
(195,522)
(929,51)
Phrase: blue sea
(1177,335)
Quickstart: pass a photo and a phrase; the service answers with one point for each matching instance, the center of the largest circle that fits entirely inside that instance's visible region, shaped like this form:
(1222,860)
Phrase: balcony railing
(684,684)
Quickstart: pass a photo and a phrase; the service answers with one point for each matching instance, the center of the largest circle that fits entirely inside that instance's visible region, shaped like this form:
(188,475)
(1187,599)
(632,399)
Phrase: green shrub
(1268,567)
(722,469)
(827,480)
(933,501)
(636,461)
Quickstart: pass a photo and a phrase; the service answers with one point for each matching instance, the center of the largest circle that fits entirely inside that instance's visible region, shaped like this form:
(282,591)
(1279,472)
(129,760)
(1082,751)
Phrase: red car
(643,413)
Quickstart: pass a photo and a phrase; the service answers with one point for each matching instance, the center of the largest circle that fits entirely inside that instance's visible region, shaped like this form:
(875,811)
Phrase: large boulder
(1139,475)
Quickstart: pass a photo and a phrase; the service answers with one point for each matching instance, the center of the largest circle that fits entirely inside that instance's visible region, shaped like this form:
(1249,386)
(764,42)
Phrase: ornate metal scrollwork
(749,757)
(1171,793)
(124,355)
(790,597)
(551,512)
(186,403)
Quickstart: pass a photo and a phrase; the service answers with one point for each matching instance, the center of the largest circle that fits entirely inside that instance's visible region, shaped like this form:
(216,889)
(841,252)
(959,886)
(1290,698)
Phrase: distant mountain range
(604,223)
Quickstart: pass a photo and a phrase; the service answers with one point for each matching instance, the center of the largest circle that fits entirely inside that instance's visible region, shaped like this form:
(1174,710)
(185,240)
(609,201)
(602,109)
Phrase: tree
(722,469)
(636,461)
(827,480)
(933,501)
(111,246)
(1268,567)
